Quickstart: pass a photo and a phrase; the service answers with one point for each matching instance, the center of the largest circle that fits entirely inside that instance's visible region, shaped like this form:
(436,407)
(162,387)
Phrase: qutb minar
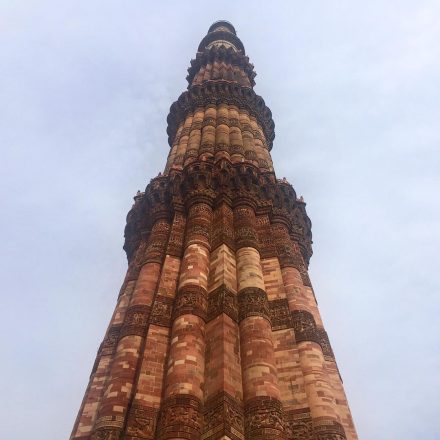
(216,332)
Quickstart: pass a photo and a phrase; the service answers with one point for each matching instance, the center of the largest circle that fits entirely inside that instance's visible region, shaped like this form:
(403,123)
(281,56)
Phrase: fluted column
(223,409)
(222,133)
(119,388)
(195,136)
(235,135)
(208,133)
(101,369)
(263,409)
(182,408)
(144,407)
(320,397)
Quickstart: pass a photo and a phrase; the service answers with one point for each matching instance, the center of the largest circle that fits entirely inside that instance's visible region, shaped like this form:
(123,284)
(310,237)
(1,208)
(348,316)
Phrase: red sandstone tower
(216,333)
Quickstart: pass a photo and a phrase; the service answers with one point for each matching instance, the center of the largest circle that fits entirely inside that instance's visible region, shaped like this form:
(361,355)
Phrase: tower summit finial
(222,25)
(221,33)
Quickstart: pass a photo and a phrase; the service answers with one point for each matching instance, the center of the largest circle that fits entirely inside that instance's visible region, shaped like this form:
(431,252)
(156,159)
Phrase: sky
(354,88)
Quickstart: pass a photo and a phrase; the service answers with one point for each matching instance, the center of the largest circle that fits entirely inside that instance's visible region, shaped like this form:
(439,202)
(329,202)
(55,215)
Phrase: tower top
(222,25)
(221,33)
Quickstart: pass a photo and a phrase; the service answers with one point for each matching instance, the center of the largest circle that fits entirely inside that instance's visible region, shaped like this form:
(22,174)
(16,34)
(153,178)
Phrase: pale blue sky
(354,87)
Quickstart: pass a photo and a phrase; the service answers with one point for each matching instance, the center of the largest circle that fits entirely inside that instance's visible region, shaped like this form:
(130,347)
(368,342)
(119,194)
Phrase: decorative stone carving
(221,147)
(200,95)
(264,419)
(223,34)
(108,428)
(110,341)
(136,321)
(305,277)
(175,242)
(265,239)
(222,300)
(237,149)
(245,227)
(252,301)
(285,248)
(106,434)
(207,121)
(161,311)
(325,343)
(222,120)
(181,417)
(191,299)
(185,131)
(305,329)
(221,54)
(222,227)
(191,153)
(157,243)
(299,425)
(304,326)
(329,430)
(203,181)
(223,416)
(280,316)
(141,422)
(196,125)
(206,148)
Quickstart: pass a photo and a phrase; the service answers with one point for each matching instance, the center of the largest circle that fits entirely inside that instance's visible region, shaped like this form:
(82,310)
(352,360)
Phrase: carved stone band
(328,430)
(220,92)
(305,277)
(136,321)
(157,243)
(141,422)
(280,316)
(264,419)
(108,428)
(222,300)
(106,434)
(221,54)
(110,341)
(305,329)
(246,236)
(245,226)
(181,417)
(223,416)
(252,301)
(175,242)
(299,424)
(191,300)
(304,326)
(161,311)
(325,343)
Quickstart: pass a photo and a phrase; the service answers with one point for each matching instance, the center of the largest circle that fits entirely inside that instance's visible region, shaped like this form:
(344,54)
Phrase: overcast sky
(354,88)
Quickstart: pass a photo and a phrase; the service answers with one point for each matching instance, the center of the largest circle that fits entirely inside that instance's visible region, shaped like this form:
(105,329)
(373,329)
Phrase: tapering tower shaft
(216,332)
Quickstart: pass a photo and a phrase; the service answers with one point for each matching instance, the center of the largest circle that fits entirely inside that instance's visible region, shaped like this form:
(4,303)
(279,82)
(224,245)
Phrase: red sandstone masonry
(216,334)
(317,382)
(119,387)
(290,377)
(223,381)
(340,399)
(93,396)
(144,411)
(124,365)
(260,384)
(185,370)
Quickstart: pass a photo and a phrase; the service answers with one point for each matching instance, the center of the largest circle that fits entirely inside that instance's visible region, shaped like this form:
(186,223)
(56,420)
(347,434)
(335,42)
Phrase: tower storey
(216,332)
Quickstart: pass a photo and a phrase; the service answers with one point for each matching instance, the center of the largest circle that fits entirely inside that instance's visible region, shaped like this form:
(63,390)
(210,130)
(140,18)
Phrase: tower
(216,332)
